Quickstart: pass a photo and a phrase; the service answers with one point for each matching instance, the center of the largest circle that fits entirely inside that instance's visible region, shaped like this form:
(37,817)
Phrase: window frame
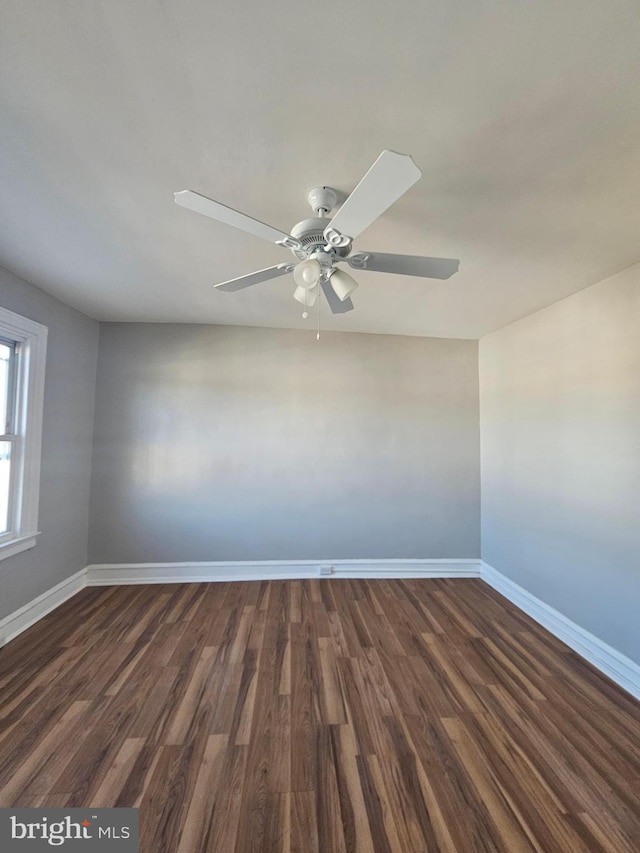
(29,365)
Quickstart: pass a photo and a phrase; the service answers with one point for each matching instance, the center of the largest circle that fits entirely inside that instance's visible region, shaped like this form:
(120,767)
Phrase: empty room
(320,427)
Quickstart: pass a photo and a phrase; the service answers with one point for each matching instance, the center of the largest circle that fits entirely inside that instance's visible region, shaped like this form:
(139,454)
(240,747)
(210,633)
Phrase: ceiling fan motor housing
(310,233)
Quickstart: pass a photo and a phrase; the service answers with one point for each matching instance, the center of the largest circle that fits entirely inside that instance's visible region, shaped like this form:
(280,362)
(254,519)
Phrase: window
(23,345)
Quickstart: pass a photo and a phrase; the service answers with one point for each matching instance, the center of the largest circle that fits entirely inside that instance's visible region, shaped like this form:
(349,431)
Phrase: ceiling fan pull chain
(318,332)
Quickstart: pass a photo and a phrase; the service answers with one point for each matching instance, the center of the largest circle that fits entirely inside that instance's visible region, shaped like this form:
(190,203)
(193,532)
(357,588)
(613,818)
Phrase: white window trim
(33,340)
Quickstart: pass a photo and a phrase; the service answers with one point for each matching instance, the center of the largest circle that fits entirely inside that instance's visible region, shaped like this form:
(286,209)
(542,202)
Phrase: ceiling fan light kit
(307,273)
(319,243)
(343,284)
(306,296)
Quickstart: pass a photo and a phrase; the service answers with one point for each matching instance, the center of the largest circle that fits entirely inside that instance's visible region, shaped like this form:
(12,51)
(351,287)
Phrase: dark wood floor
(326,716)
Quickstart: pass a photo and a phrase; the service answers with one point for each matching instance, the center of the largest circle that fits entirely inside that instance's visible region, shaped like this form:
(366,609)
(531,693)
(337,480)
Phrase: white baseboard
(618,667)
(18,621)
(139,573)
(142,573)
(612,663)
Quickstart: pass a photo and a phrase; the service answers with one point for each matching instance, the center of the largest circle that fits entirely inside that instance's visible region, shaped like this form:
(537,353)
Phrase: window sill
(15,546)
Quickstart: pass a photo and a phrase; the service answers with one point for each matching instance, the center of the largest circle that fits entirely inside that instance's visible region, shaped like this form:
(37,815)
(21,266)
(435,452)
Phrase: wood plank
(207,784)
(324,716)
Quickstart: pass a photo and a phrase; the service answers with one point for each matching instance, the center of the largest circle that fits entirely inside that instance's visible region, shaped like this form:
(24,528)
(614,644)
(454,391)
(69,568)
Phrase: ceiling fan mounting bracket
(322,200)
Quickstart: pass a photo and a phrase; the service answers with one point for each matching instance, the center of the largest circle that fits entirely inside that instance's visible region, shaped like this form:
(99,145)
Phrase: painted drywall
(560,457)
(236,443)
(524,118)
(72,348)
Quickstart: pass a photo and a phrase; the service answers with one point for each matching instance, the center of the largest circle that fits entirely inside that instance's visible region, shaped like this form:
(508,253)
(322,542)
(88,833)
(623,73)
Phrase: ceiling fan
(320,244)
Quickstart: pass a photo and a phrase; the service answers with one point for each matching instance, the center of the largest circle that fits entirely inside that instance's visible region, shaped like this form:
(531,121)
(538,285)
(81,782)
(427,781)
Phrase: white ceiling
(523,116)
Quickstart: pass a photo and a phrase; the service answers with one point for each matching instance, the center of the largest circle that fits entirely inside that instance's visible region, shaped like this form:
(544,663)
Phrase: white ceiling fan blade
(404,264)
(336,306)
(254,278)
(390,177)
(229,216)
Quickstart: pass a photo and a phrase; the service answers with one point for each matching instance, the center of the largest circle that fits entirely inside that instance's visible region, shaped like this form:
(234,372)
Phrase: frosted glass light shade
(307,273)
(306,297)
(343,284)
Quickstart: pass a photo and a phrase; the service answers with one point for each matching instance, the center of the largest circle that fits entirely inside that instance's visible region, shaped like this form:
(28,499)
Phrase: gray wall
(217,443)
(560,439)
(231,443)
(61,549)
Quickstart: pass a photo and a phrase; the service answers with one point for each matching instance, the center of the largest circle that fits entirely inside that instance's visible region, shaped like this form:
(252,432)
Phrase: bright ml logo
(80,830)
(54,833)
